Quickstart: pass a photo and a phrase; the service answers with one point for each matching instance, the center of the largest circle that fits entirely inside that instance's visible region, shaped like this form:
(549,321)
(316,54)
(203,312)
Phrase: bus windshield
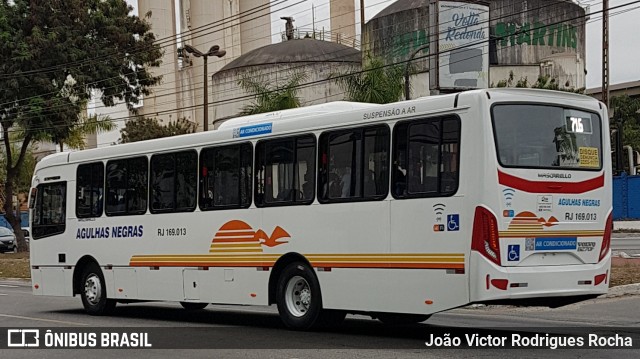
(546,136)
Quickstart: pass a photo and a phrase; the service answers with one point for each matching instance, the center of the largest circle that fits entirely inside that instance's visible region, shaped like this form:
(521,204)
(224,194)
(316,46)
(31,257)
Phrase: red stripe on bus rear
(549,186)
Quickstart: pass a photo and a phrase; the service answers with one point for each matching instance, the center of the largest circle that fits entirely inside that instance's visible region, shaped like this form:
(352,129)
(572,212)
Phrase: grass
(16,265)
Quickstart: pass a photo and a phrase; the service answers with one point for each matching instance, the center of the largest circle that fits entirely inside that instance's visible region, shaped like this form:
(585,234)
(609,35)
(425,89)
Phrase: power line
(197,89)
(351,74)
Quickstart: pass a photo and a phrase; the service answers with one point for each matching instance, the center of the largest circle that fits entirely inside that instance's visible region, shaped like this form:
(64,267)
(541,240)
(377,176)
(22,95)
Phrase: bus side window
(286,171)
(225,180)
(89,190)
(429,148)
(354,164)
(126,186)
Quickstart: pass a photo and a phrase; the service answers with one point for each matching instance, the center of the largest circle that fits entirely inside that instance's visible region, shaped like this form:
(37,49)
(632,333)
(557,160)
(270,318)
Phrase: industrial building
(527,39)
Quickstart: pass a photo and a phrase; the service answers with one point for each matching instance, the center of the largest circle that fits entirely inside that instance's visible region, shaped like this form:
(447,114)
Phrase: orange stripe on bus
(315,264)
(235,234)
(255,250)
(234,239)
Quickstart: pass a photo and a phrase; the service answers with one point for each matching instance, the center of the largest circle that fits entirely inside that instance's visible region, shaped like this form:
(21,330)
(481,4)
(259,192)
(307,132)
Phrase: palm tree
(376,83)
(87,125)
(74,137)
(268,99)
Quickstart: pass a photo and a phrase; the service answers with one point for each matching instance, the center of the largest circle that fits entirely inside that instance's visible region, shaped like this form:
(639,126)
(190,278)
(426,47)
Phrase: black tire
(193,306)
(93,292)
(298,297)
(401,319)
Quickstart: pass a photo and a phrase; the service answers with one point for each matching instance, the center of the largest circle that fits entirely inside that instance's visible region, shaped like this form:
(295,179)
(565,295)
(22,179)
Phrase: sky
(624,41)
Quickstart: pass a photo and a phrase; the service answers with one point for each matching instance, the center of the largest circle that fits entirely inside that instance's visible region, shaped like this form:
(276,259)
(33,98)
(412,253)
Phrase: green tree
(144,128)
(625,113)
(376,83)
(271,98)
(543,82)
(22,182)
(53,54)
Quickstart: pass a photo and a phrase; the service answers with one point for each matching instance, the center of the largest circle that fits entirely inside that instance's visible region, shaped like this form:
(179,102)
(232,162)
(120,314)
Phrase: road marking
(8,286)
(3,294)
(41,319)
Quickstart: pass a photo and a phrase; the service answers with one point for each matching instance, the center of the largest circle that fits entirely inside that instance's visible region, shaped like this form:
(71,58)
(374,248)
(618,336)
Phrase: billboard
(463,34)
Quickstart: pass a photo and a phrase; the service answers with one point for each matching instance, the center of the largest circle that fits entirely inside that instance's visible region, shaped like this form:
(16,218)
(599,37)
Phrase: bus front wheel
(298,296)
(94,292)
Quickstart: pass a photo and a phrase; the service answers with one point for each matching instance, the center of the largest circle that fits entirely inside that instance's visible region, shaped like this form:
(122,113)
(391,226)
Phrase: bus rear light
(485,235)
(606,239)
(600,278)
(501,284)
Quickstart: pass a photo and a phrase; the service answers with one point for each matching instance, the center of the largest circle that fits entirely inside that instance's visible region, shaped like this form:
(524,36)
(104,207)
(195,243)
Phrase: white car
(7,240)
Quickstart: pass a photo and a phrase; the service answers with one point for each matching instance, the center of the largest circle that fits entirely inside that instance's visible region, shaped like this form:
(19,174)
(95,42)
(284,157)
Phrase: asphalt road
(256,332)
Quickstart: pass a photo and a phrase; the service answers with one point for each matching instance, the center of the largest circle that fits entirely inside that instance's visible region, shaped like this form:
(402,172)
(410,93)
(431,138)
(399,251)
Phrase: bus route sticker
(589,157)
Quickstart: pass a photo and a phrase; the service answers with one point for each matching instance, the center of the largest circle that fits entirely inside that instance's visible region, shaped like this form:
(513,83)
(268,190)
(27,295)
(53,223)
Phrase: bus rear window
(543,136)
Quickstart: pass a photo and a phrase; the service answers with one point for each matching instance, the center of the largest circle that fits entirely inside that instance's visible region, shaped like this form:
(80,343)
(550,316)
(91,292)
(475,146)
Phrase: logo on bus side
(238,236)
(530,221)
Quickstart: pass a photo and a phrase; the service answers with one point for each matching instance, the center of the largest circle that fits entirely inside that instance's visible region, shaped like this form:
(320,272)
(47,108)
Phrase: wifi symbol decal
(439,208)
(508,194)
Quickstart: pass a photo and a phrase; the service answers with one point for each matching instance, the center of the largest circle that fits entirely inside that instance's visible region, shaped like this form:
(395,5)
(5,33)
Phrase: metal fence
(626,197)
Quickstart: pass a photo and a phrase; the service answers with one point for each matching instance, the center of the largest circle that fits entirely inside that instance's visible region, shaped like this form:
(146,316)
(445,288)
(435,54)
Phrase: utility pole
(605,52)
(361,20)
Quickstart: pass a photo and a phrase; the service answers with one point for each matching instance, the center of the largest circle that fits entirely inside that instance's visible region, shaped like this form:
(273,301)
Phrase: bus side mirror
(636,158)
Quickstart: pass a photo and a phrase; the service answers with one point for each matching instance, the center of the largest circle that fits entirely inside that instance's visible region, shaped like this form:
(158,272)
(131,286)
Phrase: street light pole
(213,51)
(407,95)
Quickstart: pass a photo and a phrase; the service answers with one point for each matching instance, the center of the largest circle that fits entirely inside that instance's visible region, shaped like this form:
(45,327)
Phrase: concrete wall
(161,104)
(234,25)
(343,17)
(527,39)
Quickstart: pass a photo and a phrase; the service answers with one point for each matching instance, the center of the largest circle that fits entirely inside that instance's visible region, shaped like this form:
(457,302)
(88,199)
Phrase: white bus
(398,211)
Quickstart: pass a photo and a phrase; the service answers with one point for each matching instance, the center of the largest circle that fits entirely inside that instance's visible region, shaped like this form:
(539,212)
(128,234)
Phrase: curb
(622,290)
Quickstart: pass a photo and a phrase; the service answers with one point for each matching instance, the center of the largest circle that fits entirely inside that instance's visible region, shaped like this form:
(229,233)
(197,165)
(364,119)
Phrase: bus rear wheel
(93,292)
(298,297)
(193,306)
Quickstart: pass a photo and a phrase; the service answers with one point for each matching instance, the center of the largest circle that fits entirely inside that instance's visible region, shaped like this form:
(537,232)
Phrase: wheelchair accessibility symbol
(453,221)
(513,252)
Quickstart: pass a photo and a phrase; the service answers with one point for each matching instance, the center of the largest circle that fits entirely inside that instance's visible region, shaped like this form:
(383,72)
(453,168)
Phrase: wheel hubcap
(298,296)
(93,289)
